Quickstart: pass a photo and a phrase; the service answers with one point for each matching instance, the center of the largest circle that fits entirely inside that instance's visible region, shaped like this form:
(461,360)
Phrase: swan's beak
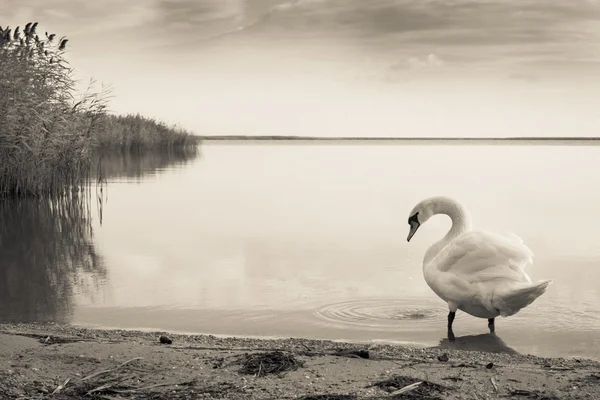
(414,225)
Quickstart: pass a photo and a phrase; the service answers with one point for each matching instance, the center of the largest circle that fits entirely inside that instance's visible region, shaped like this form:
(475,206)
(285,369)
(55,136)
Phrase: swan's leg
(491,325)
(451,316)
(452,307)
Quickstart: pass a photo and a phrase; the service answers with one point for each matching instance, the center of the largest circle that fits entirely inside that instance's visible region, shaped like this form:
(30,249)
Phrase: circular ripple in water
(383,313)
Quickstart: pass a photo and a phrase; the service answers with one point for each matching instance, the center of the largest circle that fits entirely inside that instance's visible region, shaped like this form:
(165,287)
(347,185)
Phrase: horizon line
(395,138)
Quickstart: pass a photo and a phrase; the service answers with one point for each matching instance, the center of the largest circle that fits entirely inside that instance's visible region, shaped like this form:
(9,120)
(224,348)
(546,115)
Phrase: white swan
(480,273)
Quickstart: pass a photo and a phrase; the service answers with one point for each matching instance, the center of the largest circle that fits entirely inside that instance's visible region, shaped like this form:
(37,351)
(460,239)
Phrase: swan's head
(419,215)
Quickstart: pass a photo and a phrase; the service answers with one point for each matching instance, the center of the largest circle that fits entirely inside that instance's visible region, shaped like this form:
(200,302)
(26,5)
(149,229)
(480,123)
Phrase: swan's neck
(461,219)
(461,223)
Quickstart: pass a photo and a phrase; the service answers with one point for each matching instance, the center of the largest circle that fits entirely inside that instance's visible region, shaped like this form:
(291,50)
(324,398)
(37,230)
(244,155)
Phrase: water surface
(309,240)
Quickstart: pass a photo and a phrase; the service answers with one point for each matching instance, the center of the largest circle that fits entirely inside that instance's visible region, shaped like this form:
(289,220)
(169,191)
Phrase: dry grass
(47,132)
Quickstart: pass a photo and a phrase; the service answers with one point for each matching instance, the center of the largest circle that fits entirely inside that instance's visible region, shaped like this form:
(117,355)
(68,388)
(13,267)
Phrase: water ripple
(382,314)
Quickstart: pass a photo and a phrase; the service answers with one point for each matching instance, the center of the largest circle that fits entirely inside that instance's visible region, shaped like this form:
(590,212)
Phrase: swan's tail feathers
(511,301)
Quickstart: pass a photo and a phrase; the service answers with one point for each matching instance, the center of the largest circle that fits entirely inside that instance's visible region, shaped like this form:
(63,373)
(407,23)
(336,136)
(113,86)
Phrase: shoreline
(37,359)
(420,345)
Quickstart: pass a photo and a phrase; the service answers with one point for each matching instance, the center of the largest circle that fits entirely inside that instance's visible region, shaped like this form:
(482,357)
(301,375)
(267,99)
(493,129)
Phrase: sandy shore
(37,360)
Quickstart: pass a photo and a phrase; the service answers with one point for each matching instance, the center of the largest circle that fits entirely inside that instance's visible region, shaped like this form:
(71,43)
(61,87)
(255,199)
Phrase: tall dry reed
(45,131)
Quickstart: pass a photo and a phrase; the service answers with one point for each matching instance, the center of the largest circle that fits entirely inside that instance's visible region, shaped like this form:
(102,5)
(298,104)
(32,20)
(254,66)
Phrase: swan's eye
(414,218)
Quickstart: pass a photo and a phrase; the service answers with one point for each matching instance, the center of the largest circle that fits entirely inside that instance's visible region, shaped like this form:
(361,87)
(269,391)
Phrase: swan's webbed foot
(451,316)
(491,325)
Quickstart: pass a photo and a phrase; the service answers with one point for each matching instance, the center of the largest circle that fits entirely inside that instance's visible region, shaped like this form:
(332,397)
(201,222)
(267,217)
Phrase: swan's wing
(484,256)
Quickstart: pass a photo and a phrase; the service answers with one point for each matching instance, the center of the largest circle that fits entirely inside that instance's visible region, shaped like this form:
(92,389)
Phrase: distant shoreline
(400,139)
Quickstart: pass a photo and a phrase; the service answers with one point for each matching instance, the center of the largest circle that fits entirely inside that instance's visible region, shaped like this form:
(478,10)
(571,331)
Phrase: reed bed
(48,133)
(134,132)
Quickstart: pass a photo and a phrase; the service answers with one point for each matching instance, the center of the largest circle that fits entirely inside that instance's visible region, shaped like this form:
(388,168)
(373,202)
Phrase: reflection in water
(488,342)
(48,257)
(137,165)
(46,254)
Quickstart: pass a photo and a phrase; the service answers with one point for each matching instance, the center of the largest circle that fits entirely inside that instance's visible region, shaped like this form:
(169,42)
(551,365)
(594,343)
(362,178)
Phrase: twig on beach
(494,383)
(106,371)
(61,386)
(100,388)
(406,388)
(559,368)
(106,386)
(306,347)
(157,385)
(422,387)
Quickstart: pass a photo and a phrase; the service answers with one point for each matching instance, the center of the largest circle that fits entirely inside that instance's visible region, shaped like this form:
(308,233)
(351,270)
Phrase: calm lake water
(307,240)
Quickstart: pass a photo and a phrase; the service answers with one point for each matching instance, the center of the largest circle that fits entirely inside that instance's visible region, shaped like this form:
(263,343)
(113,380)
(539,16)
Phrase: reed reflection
(46,256)
(136,165)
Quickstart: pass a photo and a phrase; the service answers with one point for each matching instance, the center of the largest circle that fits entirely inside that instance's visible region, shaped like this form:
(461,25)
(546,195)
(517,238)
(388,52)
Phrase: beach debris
(329,397)
(558,367)
(410,387)
(406,389)
(217,362)
(61,386)
(490,365)
(352,353)
(107,371)
(444,357)
(164,339)
(117,381)
(463,365)
(494,383)
(453,378)
(271,362)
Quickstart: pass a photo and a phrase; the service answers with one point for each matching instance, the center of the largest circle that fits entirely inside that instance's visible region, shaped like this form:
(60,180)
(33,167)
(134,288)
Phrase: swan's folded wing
(484,256)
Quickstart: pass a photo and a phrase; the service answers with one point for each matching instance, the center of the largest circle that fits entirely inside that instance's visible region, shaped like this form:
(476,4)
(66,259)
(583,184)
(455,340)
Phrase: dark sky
(431,67)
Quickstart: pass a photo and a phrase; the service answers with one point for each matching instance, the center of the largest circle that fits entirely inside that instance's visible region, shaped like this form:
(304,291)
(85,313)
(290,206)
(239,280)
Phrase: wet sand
(37,360)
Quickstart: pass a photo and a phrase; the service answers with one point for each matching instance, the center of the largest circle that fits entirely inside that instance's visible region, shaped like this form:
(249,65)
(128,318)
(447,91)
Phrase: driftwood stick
(61,386)
(406,389)
(494,383)
(154,386)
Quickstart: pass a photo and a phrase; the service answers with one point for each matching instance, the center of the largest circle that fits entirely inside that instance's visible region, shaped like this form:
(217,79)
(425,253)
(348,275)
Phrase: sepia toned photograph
(299,199)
